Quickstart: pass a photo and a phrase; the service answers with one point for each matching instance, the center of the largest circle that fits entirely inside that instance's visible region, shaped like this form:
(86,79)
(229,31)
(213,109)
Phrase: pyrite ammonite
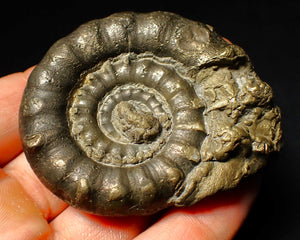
(136,112)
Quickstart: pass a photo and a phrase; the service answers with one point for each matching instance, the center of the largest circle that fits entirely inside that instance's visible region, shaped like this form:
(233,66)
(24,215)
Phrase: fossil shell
(133,113)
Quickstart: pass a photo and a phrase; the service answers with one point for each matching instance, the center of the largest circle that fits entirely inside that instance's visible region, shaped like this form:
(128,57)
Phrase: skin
(30,211)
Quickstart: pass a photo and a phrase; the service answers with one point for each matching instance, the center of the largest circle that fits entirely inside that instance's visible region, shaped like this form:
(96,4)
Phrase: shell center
(134,121)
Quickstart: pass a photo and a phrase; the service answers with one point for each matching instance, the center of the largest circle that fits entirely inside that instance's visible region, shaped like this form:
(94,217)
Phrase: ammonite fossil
(137,112)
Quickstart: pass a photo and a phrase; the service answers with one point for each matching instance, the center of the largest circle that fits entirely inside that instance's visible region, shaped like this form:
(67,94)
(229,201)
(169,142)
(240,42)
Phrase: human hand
(30,211)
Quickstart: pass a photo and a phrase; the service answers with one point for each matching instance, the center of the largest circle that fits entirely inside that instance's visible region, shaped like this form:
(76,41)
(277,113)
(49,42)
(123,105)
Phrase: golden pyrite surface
(137,112)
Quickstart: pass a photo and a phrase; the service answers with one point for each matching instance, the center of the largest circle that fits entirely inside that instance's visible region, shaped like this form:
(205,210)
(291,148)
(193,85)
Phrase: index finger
(11,91)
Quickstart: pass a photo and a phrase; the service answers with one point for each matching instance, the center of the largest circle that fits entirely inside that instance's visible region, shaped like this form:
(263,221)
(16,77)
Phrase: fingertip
(49,205)
(19,216)
(134,224)
(12,87)
(27,72)
(227,40)
(10,146)
(89,226)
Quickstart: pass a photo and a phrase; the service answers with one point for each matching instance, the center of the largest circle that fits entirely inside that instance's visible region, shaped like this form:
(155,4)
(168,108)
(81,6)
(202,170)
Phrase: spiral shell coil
(136,112)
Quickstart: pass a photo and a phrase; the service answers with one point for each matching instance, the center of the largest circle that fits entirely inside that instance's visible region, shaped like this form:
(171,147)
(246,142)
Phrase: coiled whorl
(117,118)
